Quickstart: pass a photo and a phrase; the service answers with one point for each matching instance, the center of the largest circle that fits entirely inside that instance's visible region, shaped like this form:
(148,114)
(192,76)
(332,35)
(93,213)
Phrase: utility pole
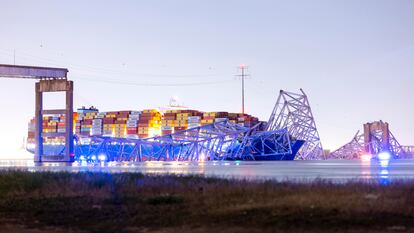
(243,75)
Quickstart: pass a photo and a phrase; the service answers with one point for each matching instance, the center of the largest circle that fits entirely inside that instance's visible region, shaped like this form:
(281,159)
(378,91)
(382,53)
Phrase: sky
(354,59)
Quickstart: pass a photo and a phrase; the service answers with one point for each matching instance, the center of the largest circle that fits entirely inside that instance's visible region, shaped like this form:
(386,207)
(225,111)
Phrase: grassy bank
(97,202)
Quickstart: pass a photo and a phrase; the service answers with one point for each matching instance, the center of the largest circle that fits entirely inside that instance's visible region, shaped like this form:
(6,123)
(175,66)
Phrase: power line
(92,71)
(74,66)
(125,82)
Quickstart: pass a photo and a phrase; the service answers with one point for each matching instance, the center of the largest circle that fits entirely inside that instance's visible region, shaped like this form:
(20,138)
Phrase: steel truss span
(293,112)
(218,141)
(357,147)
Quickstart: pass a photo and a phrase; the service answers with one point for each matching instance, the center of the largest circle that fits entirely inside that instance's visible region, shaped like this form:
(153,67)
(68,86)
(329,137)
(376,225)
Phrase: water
(334,170)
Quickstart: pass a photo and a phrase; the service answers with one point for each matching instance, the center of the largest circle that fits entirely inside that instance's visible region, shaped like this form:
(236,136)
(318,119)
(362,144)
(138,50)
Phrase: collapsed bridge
(375,138)
(276,139)
(290,133)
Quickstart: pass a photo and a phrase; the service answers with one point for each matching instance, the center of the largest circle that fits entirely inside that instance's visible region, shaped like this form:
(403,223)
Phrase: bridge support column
(379,130)
(54,86)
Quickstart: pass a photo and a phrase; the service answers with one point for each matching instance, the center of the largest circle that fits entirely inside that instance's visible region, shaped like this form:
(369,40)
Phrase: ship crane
(48,80)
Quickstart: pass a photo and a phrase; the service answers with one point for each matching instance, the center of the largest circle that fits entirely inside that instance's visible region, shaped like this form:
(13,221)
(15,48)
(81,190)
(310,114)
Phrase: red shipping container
(87,122)
(177,129)
(166,132)
(145,118)
(108,120)
(209,118)
(122,115)
(149,114)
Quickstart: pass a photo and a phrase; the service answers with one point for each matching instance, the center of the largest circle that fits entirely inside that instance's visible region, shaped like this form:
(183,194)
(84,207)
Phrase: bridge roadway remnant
(375,138)
(50,80)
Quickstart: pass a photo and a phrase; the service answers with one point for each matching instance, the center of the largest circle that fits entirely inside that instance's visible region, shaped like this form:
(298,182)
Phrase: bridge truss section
(357,147)
(352,150)
(219,141)
(293,112)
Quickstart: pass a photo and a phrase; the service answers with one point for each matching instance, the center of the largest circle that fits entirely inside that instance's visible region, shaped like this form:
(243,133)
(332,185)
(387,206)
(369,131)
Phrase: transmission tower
(243,74)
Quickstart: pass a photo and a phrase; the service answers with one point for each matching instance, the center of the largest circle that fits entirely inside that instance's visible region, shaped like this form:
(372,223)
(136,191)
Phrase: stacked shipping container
(135,124)
(132,124)
(238,118)
(149,124)
(178,120)
(50,124)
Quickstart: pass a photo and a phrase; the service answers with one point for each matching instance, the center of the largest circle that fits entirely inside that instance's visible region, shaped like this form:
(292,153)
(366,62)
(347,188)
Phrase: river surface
(334,170)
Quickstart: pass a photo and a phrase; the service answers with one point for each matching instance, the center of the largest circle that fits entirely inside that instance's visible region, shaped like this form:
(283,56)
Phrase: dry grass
(100,202)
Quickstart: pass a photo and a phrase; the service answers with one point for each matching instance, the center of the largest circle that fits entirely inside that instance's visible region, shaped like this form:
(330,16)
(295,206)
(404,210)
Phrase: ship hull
(57,150)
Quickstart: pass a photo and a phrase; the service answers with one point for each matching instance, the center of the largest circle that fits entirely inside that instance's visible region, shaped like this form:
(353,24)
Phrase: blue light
(102,157)
(384,177)
(384,163)
(384,173)
(384,156)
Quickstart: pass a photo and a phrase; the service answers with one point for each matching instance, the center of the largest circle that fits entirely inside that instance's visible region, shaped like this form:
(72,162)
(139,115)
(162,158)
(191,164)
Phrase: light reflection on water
(335,170)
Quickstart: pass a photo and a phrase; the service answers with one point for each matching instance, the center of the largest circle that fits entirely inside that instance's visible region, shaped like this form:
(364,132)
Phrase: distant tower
(243,74)
(174,101)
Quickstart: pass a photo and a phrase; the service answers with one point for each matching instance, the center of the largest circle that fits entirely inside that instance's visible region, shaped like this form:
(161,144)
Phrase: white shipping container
(220,119)
(166,128)
(191,126)
(194,119)
(240,119)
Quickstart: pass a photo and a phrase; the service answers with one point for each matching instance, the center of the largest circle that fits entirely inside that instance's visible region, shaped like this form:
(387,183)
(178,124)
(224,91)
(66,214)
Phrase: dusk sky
(354,59)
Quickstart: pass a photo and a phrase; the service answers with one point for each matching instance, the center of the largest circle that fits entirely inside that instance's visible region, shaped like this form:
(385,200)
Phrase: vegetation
(102,202)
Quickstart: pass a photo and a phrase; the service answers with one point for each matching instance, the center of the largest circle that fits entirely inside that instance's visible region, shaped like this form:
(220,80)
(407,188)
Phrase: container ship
(133,124)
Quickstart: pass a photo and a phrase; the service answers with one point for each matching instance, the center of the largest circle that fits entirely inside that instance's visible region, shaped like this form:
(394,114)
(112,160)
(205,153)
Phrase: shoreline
(133,202)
